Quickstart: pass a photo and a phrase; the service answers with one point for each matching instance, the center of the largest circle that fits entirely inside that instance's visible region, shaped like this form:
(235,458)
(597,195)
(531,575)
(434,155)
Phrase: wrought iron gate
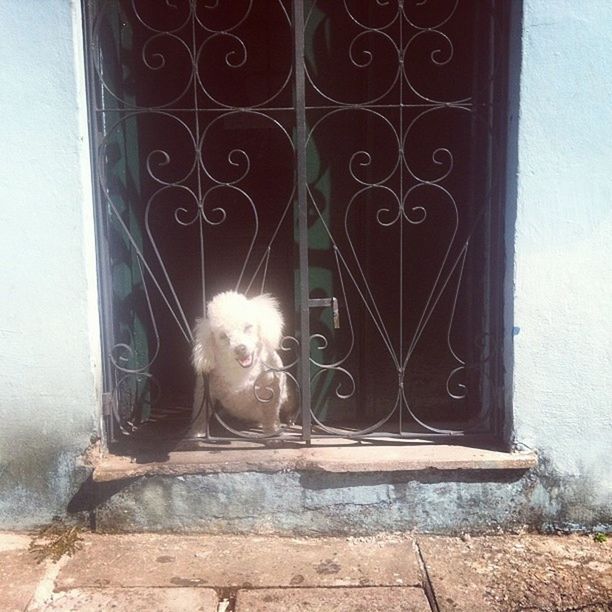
(341,154)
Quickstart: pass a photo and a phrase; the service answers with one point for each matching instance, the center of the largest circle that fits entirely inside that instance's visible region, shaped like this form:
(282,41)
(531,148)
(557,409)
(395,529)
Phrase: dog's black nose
(241,348)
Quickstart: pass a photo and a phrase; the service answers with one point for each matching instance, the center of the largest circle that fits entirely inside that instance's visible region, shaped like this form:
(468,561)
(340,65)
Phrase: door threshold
(332,456)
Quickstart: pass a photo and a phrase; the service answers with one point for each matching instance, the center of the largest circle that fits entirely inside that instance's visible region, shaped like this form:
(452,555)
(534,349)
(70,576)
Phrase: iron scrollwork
(388,46)
(169,133)
(178,158)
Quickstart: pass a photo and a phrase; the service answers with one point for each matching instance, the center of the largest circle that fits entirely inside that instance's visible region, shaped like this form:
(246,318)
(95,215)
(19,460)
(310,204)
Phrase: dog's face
(235,334)
(235,330)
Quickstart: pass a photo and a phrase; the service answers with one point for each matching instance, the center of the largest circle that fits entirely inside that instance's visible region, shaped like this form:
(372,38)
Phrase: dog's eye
(248,327)
(223,337)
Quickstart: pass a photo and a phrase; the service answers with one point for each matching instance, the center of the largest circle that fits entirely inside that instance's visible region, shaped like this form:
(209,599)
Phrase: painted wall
(562,372)
(49,339)
(563,260)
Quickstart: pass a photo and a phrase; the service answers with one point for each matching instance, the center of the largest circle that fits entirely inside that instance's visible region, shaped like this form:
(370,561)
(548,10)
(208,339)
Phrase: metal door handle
(326,303)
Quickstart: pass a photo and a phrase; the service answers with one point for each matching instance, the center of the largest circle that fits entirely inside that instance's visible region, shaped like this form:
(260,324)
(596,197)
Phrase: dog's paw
(195,432)
(271,427)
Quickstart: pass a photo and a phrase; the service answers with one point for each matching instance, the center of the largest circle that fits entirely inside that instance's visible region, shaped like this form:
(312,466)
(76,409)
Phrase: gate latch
(326,303)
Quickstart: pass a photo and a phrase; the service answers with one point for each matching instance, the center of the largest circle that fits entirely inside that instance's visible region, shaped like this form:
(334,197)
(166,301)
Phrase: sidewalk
(252,574)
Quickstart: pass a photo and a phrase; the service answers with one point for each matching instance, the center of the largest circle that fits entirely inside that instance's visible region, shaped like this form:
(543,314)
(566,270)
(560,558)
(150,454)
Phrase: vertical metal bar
(485,21)
(477,194)
(104,278)
(300,144)
(401,368)
(487,385)
(196,113)
(507,56)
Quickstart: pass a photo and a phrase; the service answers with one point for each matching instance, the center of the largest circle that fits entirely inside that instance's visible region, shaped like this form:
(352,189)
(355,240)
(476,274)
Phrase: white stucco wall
(563,240)
(49,338)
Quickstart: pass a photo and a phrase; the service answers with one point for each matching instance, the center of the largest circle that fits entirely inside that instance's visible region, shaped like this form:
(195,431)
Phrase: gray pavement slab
(519,572)
(170,572)
(367,599)
(134,600)
(19,573)
(141,560)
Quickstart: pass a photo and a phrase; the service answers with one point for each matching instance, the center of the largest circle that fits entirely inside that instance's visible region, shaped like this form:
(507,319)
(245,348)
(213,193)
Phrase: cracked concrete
(518,573)
(174,573)
(308,503)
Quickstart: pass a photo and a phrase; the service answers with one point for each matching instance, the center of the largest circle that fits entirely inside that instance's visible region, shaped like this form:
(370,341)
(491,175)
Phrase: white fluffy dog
(236,346)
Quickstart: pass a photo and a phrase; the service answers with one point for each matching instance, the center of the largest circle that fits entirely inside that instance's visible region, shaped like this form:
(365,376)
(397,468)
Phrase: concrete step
(349,489)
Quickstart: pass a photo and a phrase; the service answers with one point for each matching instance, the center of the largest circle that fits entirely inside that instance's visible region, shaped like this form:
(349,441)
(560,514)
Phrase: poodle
(236,346)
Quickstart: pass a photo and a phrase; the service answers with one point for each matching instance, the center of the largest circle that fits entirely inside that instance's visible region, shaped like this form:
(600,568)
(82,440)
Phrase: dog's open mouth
(245,362)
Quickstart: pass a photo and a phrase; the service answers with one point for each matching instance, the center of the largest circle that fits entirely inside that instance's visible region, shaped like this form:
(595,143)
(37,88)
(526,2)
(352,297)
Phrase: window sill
(336,457)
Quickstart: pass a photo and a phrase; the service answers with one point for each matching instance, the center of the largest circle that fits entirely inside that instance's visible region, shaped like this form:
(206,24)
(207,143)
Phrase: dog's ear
(203,355)
(270,320)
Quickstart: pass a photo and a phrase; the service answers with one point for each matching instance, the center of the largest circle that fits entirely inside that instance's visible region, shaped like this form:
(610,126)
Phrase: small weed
(56,540)
(600,537)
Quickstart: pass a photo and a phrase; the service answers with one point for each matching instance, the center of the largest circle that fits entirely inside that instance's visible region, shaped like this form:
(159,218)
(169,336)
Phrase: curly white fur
(236,346)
